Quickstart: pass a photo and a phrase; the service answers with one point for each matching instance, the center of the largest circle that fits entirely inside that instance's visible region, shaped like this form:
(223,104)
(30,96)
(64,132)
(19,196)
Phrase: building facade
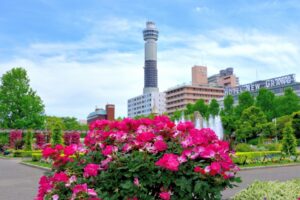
(151,99)
(277,85)
(146,103)
(100,113)
(225,78)
(178,97)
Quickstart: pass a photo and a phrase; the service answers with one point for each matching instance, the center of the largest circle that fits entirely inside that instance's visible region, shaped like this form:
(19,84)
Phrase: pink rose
(160,145)
(165,195)
(91,170)
(169,161)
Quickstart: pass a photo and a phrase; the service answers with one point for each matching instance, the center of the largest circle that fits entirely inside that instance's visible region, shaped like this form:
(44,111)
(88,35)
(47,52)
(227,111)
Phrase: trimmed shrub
(36,156)
(4,138)
(28,141)
(23,153)
(56,135)
(243,147)
(243,158)
(271,190)
(289,142)
(142,159)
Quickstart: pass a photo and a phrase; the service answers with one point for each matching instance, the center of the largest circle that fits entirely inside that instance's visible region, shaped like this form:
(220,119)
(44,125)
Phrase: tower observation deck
(150,34)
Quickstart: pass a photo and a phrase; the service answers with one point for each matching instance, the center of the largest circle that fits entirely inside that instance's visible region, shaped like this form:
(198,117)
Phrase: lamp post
(274,120)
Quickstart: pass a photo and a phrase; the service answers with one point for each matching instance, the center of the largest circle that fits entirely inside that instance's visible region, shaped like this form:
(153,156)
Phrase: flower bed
(140,159)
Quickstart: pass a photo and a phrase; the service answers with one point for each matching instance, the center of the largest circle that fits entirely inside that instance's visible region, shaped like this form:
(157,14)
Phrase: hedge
(243,158)
(36,156)
(24,153)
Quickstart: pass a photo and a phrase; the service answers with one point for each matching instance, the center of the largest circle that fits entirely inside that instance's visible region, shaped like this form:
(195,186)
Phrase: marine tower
(150,34)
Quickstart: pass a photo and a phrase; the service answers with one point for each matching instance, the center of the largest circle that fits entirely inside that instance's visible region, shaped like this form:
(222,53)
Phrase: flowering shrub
(71,137)
(40,140)
(140,159)
(15,136)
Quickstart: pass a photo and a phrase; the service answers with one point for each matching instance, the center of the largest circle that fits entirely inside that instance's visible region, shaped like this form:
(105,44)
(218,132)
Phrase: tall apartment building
(178,97)
(225,78)
(151,99)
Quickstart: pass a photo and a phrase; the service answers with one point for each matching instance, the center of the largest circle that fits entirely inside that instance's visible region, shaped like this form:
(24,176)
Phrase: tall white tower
(150,68)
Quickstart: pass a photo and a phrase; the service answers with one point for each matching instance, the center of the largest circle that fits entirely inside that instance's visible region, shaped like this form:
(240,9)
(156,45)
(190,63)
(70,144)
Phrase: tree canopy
(20,106)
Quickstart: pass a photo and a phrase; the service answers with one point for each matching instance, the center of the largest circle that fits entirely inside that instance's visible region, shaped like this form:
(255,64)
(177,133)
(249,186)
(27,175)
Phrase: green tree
(189,109)
(251,123)
(296,123)
(201,107)
(228,104)
(214,108)
(245,100)
(71,123)
(52,121)
(229,120)
(176,115)
(288,103)
(265,100)
(28,140)
(20,106)
(289,142)
(269,130)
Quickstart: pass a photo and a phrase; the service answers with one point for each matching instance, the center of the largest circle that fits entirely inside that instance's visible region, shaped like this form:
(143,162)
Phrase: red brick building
(100,113)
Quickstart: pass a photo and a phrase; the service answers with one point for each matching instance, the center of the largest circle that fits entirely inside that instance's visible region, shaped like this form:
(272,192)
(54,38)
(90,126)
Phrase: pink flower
(48,151)
(215,168)
(168,161)
(109,150)
(160,145)
(136,181)
(145,137)
(199,170)
(70,150)
(60,177)
(91,170)
(55,197)
(165,195)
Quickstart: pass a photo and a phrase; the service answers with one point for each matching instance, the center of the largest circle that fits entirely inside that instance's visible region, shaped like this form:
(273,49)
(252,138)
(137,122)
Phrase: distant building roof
(96,113)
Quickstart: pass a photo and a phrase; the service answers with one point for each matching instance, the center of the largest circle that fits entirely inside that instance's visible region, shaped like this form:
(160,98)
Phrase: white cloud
(73,77)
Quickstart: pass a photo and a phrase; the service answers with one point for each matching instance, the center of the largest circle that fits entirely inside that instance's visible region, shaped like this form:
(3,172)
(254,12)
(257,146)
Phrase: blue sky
(80,54)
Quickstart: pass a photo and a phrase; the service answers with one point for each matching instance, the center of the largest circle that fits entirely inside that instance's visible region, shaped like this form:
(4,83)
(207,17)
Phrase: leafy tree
(228,104)
(52,121)
(214,108)
(189,109)
(280,124)
(265,100)
(288,103)
(269,130)
(176,115)
(245,100)
(201,107)
(251,123)
(296,123)
(71,123)
(228,118)
(28,140)
(20,106)
(289,142)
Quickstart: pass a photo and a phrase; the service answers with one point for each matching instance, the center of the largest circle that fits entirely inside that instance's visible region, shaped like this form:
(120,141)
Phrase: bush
(243,158)
(289,142)
(56,135)
(270,190)
(4,138)
(243,147)
(15,138)
(36,156)
(254,141)
(40,140)
(140,159)
(24,153)
(28,141)
(72,137)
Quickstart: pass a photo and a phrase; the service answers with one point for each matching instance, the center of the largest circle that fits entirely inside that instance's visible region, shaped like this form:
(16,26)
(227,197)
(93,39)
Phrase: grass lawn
(36,163)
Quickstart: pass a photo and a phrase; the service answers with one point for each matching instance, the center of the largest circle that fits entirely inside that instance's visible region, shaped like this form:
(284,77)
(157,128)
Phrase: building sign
(255,86)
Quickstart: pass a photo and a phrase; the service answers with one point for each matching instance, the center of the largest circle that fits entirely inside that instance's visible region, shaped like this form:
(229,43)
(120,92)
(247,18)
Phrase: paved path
(18,181)
(21,182)
(265,174)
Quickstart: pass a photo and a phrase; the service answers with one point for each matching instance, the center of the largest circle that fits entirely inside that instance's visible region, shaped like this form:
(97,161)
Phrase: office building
(100,113)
